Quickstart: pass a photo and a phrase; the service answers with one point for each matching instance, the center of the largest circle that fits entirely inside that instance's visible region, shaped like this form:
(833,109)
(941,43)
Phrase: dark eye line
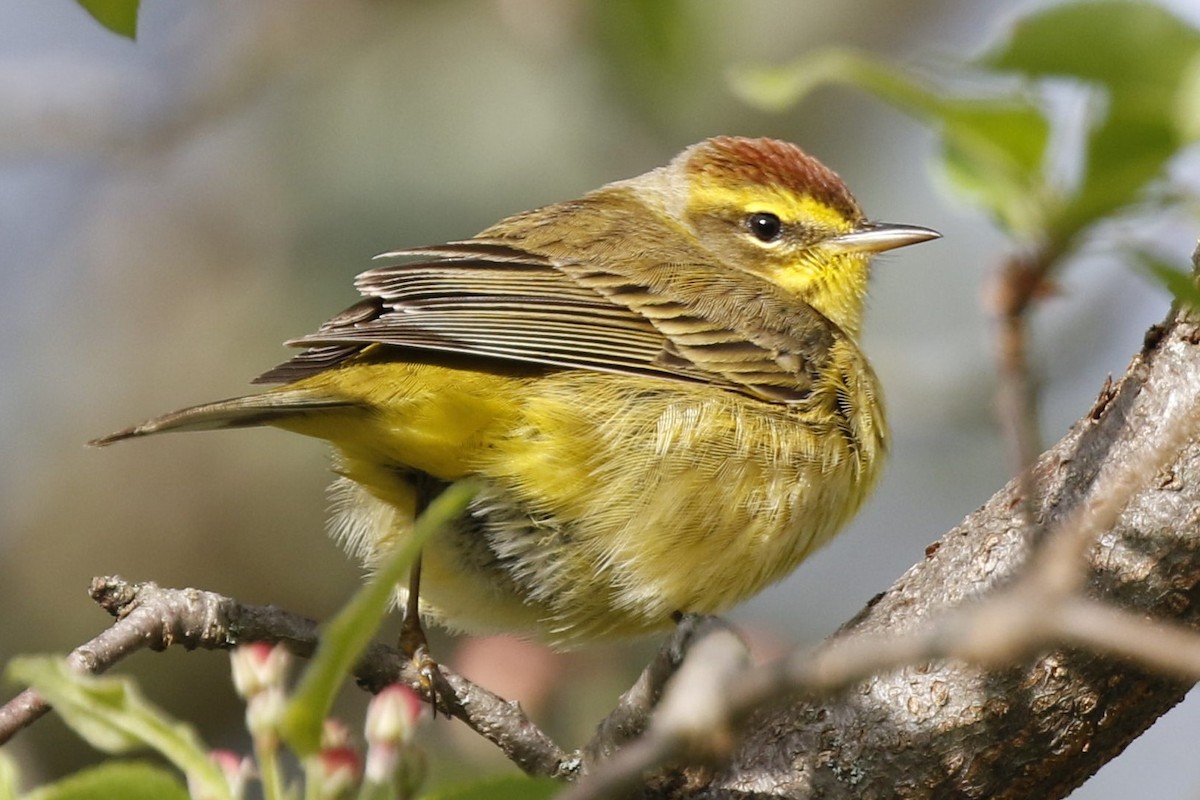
(764,226)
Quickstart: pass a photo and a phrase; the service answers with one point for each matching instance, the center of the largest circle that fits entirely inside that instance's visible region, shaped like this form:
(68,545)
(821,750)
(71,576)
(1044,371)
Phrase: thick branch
(952,729)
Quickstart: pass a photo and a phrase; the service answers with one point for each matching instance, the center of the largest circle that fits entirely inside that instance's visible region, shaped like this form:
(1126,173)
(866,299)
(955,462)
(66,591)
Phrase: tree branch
(1014,722)
(630,717)
(149,616)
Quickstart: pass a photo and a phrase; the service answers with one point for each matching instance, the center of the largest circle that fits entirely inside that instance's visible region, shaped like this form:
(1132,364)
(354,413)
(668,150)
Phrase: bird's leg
(412,638)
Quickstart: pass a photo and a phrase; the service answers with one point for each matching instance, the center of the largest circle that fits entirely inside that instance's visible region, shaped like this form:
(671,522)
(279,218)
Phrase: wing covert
(695,319)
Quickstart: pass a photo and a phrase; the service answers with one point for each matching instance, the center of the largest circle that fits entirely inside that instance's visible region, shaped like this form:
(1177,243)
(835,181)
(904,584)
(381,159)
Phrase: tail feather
(237,412)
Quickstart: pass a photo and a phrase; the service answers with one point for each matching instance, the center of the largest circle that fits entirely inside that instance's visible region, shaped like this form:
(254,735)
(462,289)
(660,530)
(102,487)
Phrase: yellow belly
(610,501)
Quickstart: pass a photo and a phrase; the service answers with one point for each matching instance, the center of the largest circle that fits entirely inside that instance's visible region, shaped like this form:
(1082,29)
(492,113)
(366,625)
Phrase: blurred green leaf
(9,779)
(1134,49)
(111,714)
(128,780)
(345,636)
(1181,284)
(119,16)
(1145,60)
(1187,110)
(508,787)
(776,89)
(994,152)
(654,49)
(1124,155)
(655,34)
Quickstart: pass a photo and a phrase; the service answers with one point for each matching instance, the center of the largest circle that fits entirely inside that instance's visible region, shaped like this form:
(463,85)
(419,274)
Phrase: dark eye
(765,226)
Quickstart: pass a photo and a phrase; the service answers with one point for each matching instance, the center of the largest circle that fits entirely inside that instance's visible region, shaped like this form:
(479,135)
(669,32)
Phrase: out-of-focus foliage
(1140,63)
(1179,283)
(8,777)
(1136,66)
(128,780)
(119,16)
(112,715)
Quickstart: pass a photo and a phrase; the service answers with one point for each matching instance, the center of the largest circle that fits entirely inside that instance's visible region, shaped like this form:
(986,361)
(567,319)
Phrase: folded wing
(491,298)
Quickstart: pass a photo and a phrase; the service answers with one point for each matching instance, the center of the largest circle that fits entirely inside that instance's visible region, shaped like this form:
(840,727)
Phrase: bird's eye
(765,226)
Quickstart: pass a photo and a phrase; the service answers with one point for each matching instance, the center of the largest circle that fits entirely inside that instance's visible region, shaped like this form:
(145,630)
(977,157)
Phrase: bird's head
(768,208)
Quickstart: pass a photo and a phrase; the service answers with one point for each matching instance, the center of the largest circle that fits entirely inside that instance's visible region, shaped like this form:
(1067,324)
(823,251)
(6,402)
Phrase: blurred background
(173,209)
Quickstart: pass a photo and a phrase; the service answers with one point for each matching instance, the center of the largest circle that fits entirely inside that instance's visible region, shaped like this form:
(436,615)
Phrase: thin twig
(1018,284)
(1163,647)
(692,720)
(149,616)
(629,718)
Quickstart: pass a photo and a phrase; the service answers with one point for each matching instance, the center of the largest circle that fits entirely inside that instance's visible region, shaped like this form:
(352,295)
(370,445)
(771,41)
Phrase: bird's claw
(414,645)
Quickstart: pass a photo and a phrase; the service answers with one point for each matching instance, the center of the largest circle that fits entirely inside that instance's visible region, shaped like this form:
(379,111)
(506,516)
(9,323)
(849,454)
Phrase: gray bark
(1040,727)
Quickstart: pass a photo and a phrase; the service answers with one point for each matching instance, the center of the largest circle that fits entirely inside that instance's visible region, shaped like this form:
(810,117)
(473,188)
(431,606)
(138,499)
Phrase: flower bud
(258,666)
(264,712)
(334,734)
(337,772)
(393,714)
(392,718)
(236,769)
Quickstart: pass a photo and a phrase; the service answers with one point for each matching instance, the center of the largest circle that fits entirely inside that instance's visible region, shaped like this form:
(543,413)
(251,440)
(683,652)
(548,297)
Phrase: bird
(658,388)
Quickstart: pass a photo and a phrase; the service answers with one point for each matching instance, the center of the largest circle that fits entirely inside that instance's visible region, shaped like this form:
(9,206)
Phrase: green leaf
(1134,49)
(1187,110)
(1182,285)
(994,153)
(128,780)
(1123,157)
(1145,60)
(1141,62)
(119,16)
(111,714)
(9,779)
(508,787)
(665,39)
(347,634)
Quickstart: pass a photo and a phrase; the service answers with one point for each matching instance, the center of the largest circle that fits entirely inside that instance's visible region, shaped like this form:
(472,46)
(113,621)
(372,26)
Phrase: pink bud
(393,714)
(338,772)
(264,712)
(334,734)
(258,666)
(236,769)
(392,718)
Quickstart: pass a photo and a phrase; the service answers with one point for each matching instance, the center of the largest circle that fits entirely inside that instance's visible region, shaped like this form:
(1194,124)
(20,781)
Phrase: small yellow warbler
(658,386)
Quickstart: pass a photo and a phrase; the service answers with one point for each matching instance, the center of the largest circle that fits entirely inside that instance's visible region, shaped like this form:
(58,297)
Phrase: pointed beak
(875,237)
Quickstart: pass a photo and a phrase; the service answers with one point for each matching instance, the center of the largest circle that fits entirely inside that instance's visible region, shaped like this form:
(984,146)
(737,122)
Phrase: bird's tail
(239,412)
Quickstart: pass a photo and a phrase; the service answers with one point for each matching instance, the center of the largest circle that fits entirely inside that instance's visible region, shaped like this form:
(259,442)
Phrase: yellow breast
(610,502)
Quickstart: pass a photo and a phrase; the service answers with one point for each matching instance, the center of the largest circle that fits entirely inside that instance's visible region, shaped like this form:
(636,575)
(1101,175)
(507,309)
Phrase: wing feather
(485,299)
(509,296)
